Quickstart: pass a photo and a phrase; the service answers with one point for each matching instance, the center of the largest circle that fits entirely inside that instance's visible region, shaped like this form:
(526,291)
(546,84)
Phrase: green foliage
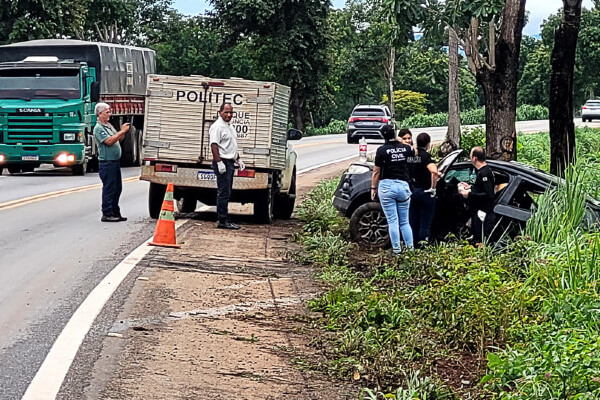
(417,387)
(40,19)
(333,128)
(471,137)
(472,117)
(317,212)
(527,112)
(289,39)
(559,211)
(424,69)
(558,364)
(534,83)
(407,103)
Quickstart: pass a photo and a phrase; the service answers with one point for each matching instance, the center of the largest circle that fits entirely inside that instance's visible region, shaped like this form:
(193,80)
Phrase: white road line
(49,378)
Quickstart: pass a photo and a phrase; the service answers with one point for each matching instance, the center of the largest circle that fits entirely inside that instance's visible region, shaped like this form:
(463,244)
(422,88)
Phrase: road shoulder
(221,318)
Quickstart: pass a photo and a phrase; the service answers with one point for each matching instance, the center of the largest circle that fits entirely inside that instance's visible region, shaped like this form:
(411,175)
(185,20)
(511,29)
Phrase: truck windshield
(30,84)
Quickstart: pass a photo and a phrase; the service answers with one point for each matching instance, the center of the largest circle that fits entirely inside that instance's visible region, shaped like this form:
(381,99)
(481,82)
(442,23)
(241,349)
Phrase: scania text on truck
(179,113)
(48,90)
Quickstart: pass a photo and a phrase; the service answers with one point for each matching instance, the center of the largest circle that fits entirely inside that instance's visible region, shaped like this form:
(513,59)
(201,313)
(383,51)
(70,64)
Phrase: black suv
(517,187)
(367,121)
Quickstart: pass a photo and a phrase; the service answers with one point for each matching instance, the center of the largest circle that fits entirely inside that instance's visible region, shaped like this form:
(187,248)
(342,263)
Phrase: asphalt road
(54,250)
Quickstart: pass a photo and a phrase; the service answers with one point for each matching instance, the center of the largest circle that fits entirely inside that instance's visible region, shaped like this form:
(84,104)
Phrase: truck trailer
(48,91)
(179,113)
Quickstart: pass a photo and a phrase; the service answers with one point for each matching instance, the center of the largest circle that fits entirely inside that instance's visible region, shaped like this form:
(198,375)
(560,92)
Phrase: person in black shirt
(424,176)
(480,196)
(390,182)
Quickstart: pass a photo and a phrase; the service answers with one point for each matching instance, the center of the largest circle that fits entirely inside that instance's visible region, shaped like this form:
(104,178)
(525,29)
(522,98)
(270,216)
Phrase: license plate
(30,158)
(207,176)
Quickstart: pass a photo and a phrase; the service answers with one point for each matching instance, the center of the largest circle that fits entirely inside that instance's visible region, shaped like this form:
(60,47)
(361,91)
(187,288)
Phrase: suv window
(595,103)
(367,112)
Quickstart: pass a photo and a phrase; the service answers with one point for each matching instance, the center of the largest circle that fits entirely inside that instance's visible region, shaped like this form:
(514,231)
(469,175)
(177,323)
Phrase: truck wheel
(93,164)
(156,195)
(14,169)
(263,206)
(284,206)
(129,157)
(80,169)
(140,148)
(369,227)
(187,204)
(1,170)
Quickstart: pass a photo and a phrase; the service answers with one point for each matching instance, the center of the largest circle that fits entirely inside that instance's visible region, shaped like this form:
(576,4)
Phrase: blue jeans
(422,210)
(394,195)
(224,184)
(112,186)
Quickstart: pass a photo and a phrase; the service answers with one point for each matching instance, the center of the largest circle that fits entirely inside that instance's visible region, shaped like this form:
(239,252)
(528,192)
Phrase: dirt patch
(219,318)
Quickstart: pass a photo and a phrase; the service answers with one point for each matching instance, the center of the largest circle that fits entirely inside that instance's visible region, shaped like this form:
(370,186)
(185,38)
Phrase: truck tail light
(165,168)
(247,173)
(64,158)
(2,158)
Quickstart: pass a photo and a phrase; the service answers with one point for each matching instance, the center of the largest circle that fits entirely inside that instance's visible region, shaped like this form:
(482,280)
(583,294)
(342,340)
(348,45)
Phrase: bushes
(476,116)
(408,103)
(334,127)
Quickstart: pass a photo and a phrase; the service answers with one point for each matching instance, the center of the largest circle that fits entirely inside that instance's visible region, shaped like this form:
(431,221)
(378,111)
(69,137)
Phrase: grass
(521,323)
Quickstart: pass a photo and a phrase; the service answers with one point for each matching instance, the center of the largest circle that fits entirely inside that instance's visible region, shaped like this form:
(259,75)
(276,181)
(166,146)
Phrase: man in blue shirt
(109,155)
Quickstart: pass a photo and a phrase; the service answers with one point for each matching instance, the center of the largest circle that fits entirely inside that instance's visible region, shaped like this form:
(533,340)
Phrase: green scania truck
(48,90)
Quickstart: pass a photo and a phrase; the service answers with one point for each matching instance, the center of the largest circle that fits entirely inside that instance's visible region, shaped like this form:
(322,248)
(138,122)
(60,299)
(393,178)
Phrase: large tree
(40,19)
(490,34)
(562,128)
(290,39)
(124,21)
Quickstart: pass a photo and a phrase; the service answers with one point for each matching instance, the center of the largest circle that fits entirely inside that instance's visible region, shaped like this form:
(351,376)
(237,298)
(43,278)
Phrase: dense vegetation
(457,321)
(343,66)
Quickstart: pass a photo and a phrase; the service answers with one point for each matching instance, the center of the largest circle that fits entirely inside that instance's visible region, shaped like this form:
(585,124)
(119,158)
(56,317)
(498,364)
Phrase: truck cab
(46,113)
(48,90)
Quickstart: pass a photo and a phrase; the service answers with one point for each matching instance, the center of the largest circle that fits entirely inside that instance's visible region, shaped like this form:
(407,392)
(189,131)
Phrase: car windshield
(30,84)
(592,103)
(366,112)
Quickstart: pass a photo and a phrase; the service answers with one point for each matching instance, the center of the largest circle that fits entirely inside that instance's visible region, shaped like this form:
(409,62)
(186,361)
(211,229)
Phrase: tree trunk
(388,68)
(499,84)
(452,140)
(562,128)
(297,108)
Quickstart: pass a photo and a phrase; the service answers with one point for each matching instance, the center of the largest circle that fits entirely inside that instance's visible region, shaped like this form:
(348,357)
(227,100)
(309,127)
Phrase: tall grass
(560,210)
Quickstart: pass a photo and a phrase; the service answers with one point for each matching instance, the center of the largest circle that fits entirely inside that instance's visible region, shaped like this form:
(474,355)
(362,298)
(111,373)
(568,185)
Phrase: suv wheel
(369,227)
(351,139)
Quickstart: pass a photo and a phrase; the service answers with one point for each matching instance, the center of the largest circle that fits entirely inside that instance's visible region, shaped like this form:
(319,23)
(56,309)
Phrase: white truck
(178,115)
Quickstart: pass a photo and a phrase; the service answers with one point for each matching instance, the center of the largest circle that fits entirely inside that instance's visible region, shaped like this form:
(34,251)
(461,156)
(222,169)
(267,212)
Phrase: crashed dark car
(517,188)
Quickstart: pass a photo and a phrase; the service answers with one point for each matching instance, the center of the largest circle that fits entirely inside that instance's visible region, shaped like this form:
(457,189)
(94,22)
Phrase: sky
(538,9)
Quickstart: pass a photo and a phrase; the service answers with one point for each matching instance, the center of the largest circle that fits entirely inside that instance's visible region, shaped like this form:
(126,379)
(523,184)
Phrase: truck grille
(29,127)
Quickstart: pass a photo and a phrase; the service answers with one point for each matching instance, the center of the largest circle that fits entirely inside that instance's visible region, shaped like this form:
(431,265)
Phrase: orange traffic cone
(164,235)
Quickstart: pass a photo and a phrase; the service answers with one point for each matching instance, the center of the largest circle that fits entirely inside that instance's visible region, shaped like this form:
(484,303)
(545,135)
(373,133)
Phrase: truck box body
(178,116)
(121,70)
(178,119)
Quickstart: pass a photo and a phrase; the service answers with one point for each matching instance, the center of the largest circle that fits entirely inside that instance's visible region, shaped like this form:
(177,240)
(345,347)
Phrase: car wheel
(369,227)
